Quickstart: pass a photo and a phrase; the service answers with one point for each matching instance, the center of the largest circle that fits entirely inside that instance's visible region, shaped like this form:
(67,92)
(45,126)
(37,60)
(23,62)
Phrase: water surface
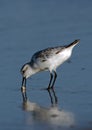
(26,27)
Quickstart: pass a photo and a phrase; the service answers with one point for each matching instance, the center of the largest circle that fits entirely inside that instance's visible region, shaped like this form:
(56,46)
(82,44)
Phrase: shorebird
(47,59)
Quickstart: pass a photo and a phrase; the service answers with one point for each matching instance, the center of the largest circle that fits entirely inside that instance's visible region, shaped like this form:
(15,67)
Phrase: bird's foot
(52,87)
(49,88)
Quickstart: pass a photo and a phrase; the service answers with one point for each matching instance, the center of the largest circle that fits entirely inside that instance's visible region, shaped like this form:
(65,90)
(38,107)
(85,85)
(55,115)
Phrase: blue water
(26,27)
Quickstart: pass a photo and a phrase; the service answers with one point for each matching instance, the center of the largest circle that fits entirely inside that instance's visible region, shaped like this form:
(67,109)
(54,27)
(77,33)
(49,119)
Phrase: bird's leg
(55,76)
(56,99)
(50,96)
(51,77)
(53,97)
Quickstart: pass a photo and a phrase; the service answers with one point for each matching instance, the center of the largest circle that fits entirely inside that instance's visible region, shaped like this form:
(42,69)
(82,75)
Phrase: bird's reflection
(51,115)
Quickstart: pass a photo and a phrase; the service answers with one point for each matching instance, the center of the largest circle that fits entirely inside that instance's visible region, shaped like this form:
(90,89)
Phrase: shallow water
(28,26)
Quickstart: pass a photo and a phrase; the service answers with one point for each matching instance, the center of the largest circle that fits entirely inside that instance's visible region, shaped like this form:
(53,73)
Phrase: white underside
(55,61)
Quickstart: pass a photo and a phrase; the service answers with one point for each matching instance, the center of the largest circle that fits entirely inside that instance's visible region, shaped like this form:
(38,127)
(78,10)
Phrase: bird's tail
(73,43)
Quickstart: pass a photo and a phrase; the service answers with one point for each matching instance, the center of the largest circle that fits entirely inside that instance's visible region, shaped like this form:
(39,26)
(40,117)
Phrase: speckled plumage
(48,59)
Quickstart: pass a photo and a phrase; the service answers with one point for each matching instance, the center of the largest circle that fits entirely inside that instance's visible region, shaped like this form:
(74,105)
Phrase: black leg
(55,76)
(51,77)
(56,99)
(53,97)
(50,96)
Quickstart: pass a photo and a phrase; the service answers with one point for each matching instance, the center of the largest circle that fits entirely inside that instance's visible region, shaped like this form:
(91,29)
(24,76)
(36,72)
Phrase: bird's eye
(23,71)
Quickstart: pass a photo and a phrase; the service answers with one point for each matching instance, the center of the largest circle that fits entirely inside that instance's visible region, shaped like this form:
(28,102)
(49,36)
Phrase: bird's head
(26,72)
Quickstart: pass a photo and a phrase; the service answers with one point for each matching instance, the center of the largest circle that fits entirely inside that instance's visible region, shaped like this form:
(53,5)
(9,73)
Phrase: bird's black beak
(24,82)
(23,89)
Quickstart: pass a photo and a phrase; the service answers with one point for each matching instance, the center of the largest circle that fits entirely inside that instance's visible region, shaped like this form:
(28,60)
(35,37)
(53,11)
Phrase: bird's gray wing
(45,54)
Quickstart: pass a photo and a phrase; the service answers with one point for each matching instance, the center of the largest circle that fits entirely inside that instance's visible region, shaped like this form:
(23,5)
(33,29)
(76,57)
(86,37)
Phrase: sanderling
(47,59)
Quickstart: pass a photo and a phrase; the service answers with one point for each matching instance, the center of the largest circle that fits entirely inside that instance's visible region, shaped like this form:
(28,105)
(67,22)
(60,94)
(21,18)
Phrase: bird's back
(42,59)
(52,56)
(47,53)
